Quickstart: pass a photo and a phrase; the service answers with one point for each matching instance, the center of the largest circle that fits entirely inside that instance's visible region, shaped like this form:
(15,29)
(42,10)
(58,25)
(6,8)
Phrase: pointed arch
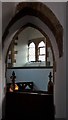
(38,9)
(41,44)
(40,30)
(36,27)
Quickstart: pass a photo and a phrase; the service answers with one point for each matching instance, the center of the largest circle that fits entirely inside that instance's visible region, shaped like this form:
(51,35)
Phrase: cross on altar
(50,76)
(13,77)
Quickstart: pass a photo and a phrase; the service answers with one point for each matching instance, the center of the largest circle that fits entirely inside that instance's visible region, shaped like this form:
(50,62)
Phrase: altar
(29,105)
(23,101)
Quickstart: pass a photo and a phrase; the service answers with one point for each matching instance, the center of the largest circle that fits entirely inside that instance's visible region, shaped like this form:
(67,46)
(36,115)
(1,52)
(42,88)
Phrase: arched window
(38,53)
(41,51)
(32,52)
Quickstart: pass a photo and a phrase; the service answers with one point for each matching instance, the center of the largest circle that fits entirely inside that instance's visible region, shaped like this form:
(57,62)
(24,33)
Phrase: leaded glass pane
(42,58)
(42,50)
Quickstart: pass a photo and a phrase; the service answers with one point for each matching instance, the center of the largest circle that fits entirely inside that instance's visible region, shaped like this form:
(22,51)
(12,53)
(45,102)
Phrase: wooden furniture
(29,105)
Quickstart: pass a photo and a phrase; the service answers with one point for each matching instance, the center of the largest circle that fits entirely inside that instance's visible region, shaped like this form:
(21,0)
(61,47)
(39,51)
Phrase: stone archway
(36,27)
(41,11)
(44,34)
(58,30)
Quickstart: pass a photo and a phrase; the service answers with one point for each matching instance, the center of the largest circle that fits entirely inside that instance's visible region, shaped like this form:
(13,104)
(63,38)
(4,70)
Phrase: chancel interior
(33,43)
(30,74)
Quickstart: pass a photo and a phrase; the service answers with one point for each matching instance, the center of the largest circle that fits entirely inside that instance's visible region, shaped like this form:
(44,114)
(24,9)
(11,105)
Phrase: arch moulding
(41,11)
